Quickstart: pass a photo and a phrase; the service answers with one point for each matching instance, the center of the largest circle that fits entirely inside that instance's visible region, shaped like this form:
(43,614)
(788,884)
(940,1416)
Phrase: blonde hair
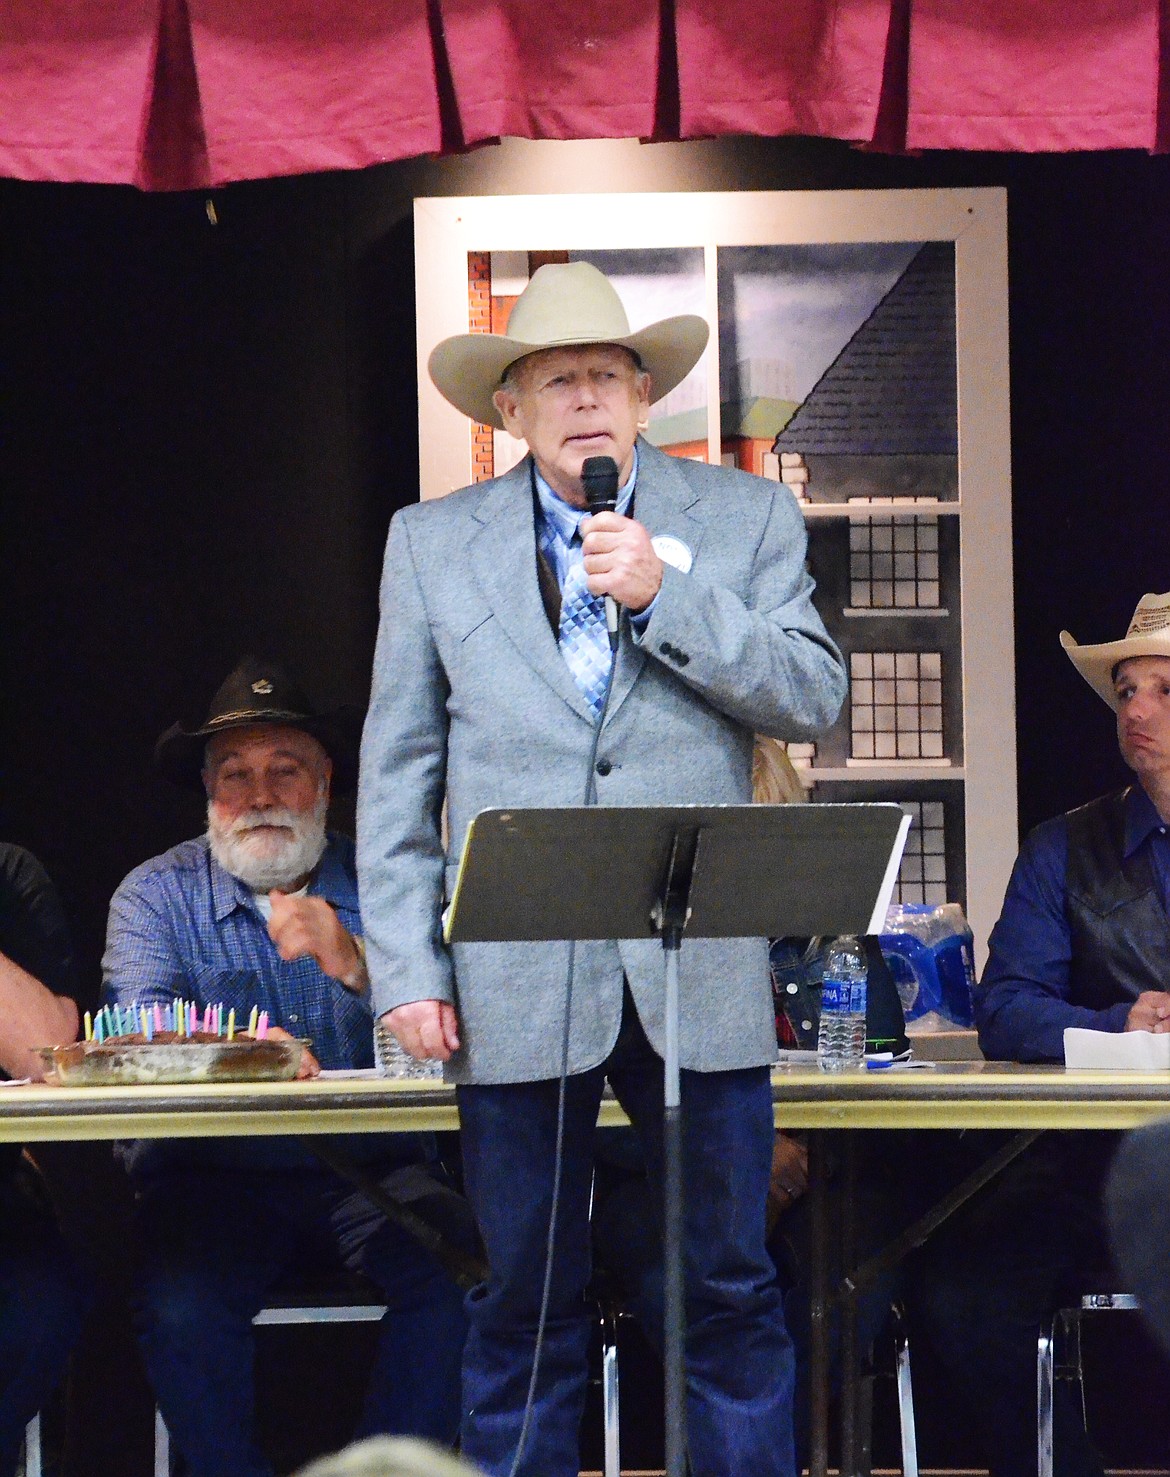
(774,780)
(390,1456)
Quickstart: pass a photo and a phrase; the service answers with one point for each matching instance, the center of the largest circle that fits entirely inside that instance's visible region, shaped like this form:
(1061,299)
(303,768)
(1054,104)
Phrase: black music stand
(712,871)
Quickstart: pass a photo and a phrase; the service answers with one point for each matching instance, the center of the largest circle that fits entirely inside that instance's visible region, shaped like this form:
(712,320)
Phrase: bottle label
(838,997)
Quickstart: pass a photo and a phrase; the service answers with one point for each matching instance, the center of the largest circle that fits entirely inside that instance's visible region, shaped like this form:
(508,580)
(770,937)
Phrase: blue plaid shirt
(183,928)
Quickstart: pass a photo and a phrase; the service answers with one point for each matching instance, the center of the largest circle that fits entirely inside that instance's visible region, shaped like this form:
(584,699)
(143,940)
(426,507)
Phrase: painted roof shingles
(892,389)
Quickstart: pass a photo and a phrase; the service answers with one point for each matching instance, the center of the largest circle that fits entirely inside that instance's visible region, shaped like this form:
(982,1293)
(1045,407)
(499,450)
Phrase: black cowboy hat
(262,692)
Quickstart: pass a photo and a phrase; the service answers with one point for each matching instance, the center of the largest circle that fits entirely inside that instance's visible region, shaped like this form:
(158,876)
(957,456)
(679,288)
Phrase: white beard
(264,859)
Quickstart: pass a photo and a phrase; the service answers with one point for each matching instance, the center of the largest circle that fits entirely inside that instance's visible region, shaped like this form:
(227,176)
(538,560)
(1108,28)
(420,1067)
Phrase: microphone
(600,477)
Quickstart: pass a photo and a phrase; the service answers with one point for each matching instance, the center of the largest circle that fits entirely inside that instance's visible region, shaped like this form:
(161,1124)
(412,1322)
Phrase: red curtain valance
(173,94)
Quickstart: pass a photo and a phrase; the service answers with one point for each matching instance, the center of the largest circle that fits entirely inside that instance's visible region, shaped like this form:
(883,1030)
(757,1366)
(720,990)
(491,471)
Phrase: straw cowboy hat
(256,693)
(1148,635)
(565,305)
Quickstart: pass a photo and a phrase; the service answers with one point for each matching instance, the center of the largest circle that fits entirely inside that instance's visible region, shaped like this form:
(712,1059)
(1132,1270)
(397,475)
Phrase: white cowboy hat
(565,305)
(1148,635)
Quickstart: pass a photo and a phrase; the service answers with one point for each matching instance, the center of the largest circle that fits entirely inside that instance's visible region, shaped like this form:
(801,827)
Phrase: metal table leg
(819,1277)
(852,1437)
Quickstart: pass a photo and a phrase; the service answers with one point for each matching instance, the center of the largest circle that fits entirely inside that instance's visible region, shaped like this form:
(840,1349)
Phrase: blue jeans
(214,1243)
(627,1245)
(43,1300)
(740,1368)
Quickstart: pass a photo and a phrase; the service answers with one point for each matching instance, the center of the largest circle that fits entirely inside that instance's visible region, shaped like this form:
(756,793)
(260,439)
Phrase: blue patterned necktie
(583,638)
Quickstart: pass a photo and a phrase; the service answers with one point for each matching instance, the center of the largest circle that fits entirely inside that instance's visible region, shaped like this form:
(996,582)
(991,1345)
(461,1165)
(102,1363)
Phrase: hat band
(261,714)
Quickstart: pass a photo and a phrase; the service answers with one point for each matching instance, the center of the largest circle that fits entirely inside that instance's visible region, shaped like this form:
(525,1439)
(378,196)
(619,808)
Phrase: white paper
(882,906)
(1127,1051)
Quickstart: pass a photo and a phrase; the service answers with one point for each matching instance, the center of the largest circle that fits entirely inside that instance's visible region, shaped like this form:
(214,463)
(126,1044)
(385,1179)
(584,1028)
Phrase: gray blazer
(472,702)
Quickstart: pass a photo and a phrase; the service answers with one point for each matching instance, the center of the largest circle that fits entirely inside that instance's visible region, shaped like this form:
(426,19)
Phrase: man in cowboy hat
(495,684)
(1083,941)
(262,912)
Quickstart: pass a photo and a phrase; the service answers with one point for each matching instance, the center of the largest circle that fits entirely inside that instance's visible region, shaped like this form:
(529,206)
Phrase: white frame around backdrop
(446,230)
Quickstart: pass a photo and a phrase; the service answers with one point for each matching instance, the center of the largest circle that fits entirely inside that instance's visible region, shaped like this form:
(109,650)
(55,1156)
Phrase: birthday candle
(158,1017)
(231,1031)
(193,1024)
(253,1019)
(88,1026)
(98,1030)
(262,1027)
(148,1024)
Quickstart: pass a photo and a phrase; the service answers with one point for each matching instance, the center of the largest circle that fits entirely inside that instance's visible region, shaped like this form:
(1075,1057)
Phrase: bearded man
(262,912)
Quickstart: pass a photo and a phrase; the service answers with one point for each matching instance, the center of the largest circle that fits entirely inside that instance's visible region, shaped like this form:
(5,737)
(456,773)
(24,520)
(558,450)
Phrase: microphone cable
(589,798)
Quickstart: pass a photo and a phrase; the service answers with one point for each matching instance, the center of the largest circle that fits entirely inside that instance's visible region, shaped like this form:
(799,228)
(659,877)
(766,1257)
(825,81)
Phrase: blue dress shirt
(1022,1006)
(559,530)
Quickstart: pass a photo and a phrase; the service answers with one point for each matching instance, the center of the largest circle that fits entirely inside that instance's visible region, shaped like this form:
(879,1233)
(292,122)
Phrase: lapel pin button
(672,551)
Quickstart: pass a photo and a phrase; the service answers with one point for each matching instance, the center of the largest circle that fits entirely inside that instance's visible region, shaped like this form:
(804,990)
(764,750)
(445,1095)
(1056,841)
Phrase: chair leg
(610,1402)
(33,1461)
(906,1424)
(1045,1388)
(1075,1362)
(162,1446)
(865,1424)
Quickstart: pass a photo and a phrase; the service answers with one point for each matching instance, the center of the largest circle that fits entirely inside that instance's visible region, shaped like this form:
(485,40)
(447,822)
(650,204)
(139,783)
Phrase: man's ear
(645,386)
(327,778)
(508,404)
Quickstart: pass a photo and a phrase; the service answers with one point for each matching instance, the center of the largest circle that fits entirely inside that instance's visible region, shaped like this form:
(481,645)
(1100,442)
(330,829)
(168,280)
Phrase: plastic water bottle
(841,1039)
(394,1060)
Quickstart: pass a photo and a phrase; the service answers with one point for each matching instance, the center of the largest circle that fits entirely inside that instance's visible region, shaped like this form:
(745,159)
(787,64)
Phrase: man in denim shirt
(262,912)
